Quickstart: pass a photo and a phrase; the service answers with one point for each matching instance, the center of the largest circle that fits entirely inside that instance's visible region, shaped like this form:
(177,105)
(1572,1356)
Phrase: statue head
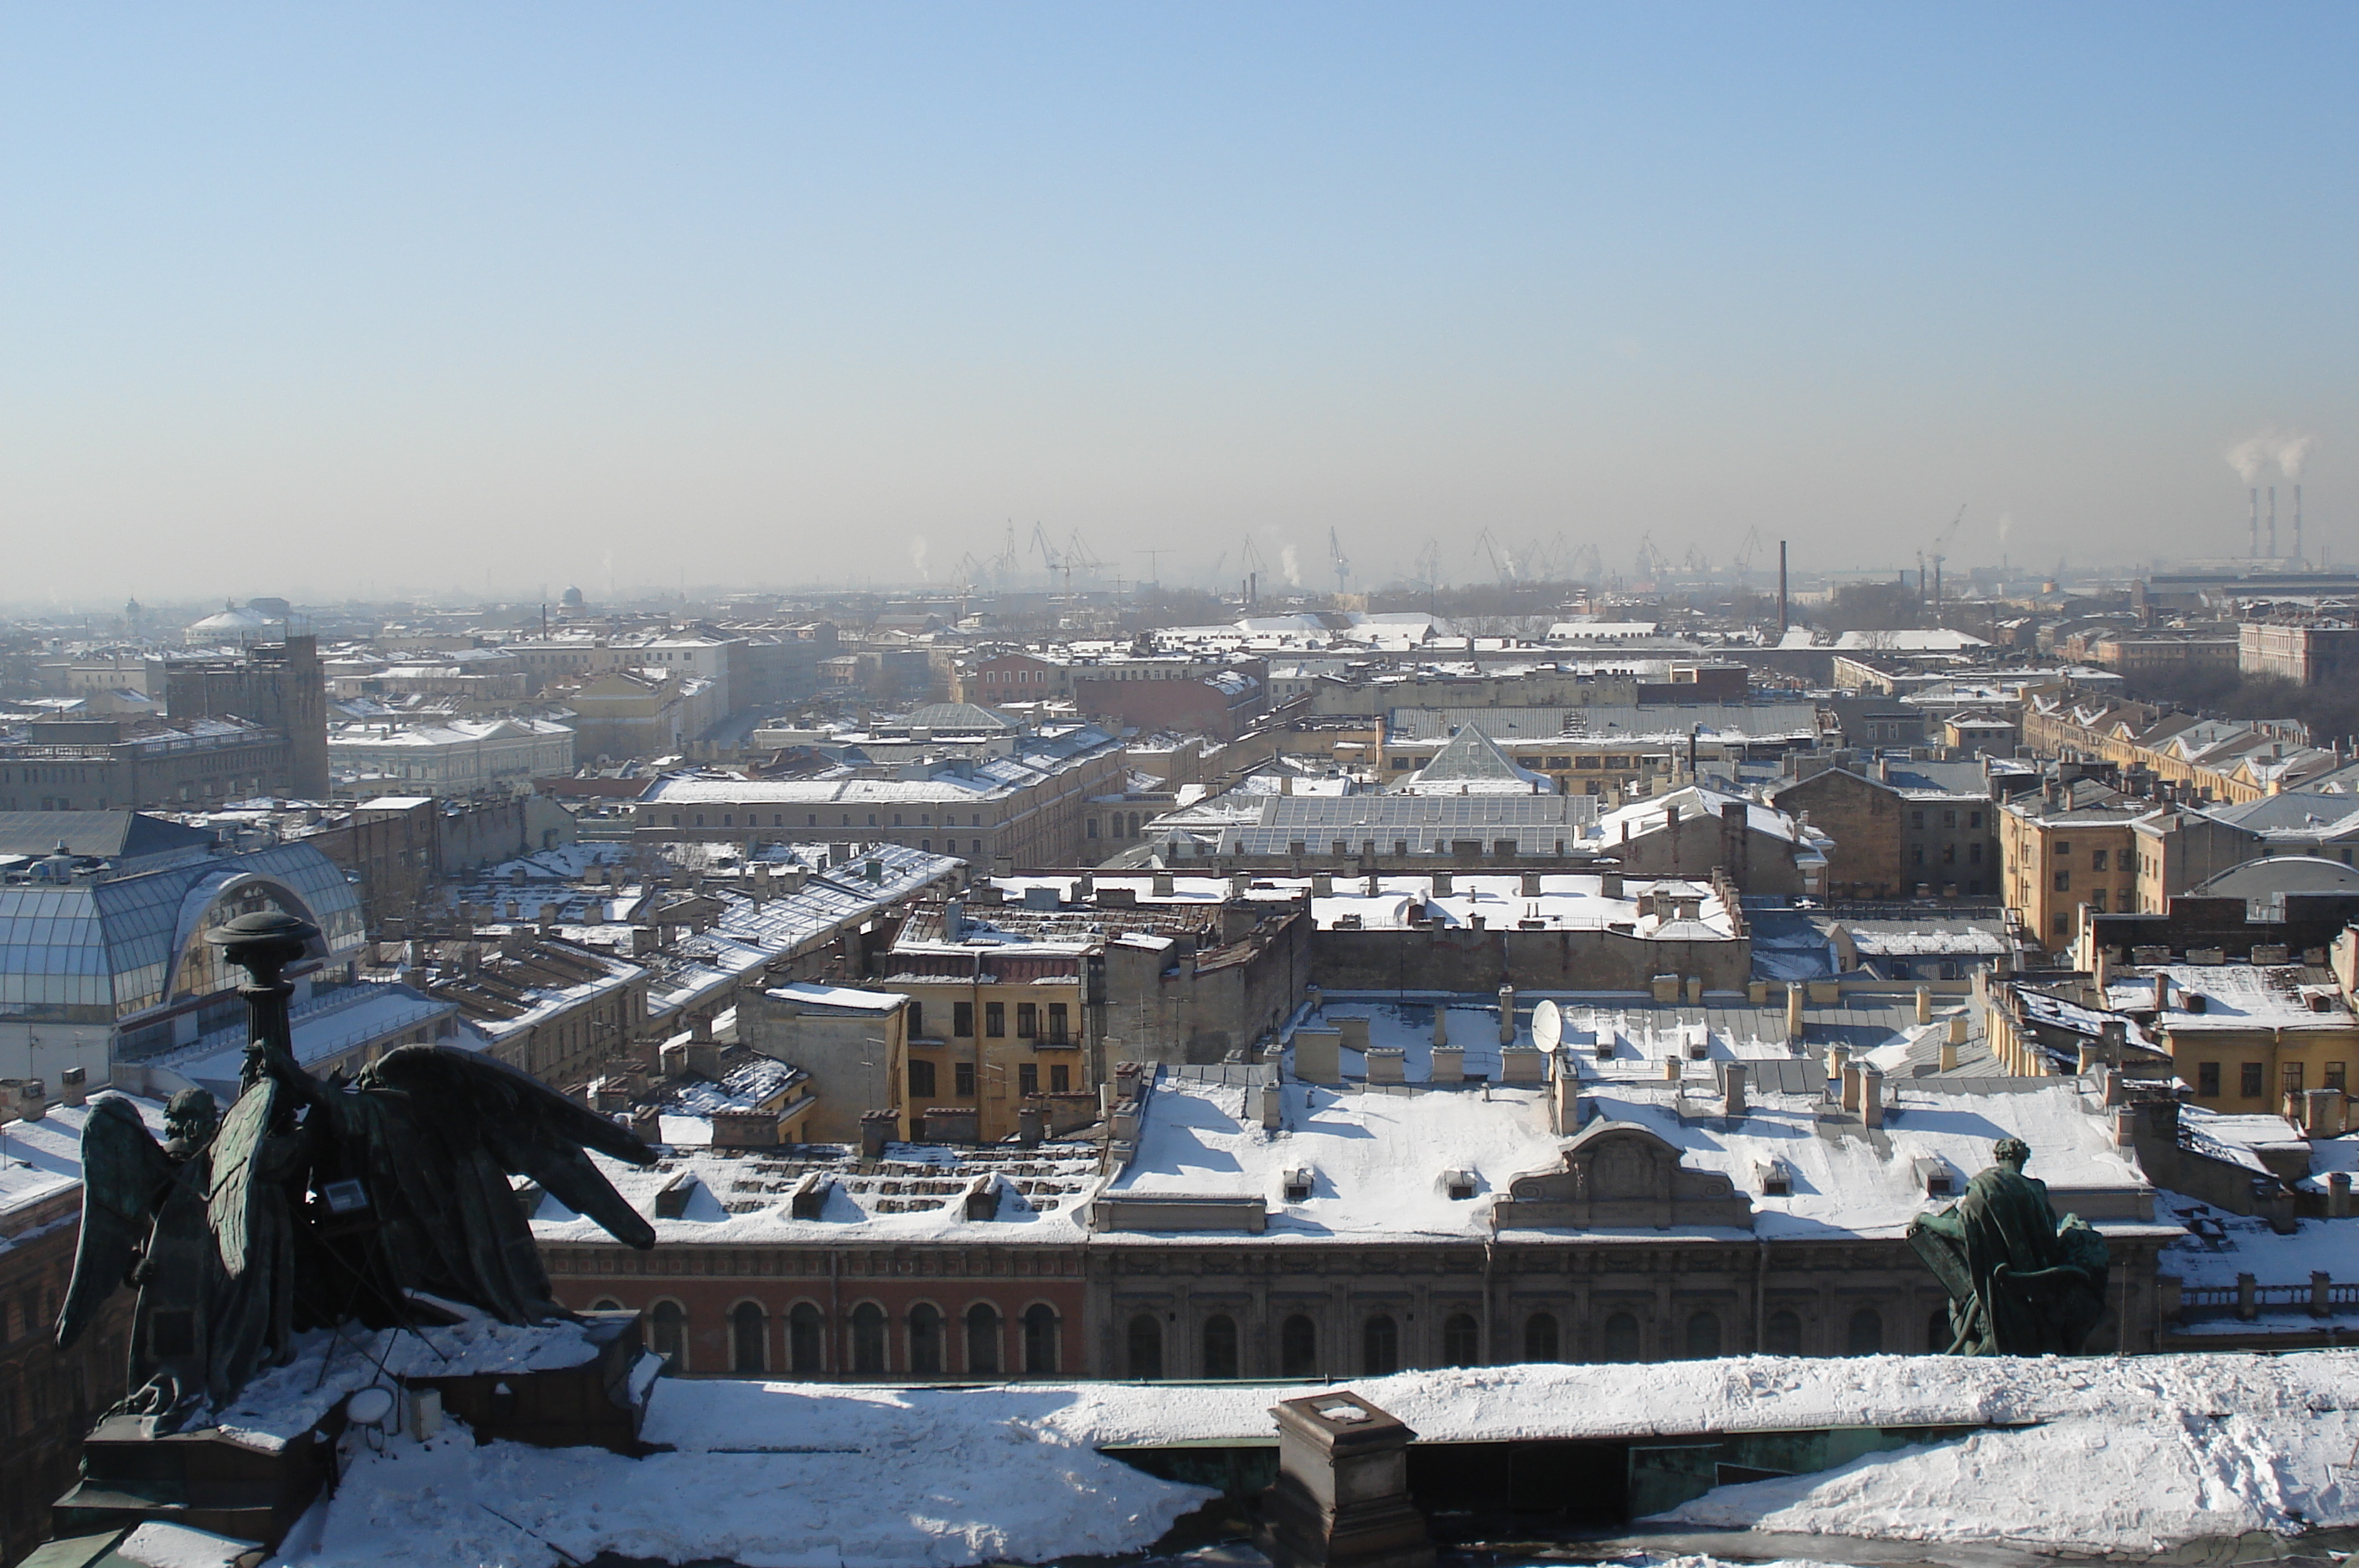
(189,1120)
(2013,1153)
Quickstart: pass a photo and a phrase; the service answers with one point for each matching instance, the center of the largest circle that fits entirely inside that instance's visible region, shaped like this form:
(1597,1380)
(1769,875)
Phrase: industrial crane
(1050,558)
(1342,562)
(1651,560)
(1941,542)
(1004,565)
(1255,569)
(1078,554)
(1742,559)
(1503,562)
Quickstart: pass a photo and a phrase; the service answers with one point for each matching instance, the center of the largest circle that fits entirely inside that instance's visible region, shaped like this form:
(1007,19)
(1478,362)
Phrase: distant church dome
(572,599)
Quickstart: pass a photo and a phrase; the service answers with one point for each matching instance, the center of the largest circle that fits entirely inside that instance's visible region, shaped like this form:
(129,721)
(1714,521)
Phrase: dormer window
(1459,1185)
(1777,1179)
(1297,1185)
(1935,1177)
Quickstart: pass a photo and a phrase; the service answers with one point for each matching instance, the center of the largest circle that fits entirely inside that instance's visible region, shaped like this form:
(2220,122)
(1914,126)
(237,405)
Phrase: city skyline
(765,298)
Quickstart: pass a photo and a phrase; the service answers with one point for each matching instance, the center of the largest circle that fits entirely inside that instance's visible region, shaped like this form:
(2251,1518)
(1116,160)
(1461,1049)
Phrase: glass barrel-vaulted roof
(94,952)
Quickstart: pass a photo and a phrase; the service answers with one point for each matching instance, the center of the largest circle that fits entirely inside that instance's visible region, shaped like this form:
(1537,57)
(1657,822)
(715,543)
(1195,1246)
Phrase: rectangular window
(1916,855)
(1027,1079)
(921,1080)
(962,1020)
(917,1018)
(1059,1028)
(2097,900)
(2063,881)
(2063,846)
(1948,854)
(2207,1079)
(1974,819)
(2291,1075)
(1916,818)
(2096,860)
(1949,816)
(1060,1078)
(2249,1082)
(994,1020)
(962,1078)
(2333,1076)
(1974,853)
(1028,1020)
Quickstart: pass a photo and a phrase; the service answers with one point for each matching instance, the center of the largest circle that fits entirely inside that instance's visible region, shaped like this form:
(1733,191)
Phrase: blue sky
(451,295)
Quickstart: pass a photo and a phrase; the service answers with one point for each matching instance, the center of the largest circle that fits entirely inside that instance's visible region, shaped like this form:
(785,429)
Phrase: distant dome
(231,625)
(572,599)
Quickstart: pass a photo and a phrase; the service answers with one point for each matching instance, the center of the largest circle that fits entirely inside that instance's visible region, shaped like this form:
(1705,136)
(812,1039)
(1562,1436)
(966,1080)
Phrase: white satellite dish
(1547,1026)
(370,1406)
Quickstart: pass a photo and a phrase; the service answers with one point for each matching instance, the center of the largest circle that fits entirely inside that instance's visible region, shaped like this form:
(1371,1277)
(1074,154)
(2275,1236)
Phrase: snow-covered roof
(915,1192)
(40,1162)
(2235,997)
(844,998)
(1375,1160)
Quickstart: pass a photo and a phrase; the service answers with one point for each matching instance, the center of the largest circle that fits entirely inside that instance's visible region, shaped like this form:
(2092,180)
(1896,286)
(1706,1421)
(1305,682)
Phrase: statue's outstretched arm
(124,1175)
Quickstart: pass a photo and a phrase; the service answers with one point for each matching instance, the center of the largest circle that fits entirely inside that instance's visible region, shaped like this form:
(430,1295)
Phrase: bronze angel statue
(314,1203)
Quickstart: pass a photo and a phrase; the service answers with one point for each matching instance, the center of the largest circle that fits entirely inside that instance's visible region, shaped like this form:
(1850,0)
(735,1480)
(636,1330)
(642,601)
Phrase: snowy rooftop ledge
(2132,1454)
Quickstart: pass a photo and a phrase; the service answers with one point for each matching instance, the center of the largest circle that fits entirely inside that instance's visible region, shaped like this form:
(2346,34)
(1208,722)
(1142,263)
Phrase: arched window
(868,1340)
(668,1334)
(925,1340)
(1703,1336)
(1540,1338)
(749,1333)
(1220,1346)
(1866,1335)
(1146,1346)
(804,1356)
(1621,1337)
(1298,1347)
(1784,1336)
(1379,1346)
(982,1341)
(1039,1340)
(605,1304)
(1938,1335)
(1462,1341)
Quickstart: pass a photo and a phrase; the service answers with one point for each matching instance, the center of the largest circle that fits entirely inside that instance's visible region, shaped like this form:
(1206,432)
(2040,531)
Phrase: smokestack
(2273,522)
(2256,524)
(1781,589)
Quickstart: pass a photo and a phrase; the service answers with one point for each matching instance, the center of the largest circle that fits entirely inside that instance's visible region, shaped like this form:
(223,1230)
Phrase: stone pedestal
(1342,1497)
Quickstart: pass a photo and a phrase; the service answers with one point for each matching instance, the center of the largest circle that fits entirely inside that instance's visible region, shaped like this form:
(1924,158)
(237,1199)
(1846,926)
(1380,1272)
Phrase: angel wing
(230,1204)
(124,1175)
(527,1128)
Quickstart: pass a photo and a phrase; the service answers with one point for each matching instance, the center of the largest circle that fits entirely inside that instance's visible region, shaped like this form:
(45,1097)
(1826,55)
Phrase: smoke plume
(919,551)
(2289,450)
(1291,564)
(2248,456)
(2292,451)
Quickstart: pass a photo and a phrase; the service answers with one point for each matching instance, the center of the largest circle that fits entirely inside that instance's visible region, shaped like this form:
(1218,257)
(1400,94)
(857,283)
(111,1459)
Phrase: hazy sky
(521,294)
